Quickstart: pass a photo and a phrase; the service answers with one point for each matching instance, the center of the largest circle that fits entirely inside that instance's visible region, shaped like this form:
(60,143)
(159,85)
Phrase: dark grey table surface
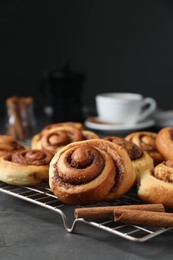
(28,231)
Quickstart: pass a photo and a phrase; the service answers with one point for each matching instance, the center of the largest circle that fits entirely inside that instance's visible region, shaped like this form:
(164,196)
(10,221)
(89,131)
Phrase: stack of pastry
(82,168)
(21,165)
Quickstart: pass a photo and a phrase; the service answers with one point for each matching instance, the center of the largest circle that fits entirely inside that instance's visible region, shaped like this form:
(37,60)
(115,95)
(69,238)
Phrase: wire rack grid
(42,196)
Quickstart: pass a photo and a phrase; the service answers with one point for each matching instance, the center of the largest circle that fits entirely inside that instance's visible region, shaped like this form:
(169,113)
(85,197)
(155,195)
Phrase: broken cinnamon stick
(108,211)
(143,217)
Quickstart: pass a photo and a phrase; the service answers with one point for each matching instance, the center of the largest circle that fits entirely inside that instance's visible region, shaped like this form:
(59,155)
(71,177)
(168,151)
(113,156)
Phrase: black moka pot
(65,90)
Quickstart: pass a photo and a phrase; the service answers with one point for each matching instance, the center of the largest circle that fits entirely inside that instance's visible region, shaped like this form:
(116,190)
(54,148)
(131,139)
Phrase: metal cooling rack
(42,196)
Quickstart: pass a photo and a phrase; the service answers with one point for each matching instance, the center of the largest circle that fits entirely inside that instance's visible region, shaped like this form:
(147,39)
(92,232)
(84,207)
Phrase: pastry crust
(147,142)
(156,185)
(142,164)
(89,135)
(164,142)
(141,160)
(25,168)
(78,125)
(89,171)
(9,144)
(58,137)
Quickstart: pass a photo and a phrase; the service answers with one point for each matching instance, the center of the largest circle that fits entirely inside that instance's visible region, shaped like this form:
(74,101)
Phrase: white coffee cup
(124,108)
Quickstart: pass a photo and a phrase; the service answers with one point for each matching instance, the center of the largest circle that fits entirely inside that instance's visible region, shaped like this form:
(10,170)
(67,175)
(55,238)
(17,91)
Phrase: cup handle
(146,111)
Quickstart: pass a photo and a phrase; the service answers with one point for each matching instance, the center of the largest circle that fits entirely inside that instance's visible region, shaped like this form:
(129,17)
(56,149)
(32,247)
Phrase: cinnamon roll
(156,185)
(77,125)
(9,144)
(89,171)
(58,137)
(141,160)
(25,168)
(164,142)
(89,135)
(147,142)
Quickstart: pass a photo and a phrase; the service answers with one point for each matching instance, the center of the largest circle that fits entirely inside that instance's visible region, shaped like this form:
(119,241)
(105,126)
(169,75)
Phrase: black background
(119,45)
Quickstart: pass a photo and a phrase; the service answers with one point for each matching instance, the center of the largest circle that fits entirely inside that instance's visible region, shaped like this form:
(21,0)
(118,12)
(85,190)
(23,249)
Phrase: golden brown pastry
(9,144)
(89,171)
(156,185)
(141,160)
(89,135)
(25,168)
(78,125)
(164,142)
(58,137)
(55,138)
(147,142)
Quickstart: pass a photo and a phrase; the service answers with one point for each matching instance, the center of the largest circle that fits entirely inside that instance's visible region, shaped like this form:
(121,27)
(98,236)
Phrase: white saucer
(163,118)
(94,124)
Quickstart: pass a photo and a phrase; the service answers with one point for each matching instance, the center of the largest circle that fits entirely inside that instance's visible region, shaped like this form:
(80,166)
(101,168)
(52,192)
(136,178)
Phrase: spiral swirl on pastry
(164,142)
(58,137)
(89,171)
(89,135)
(141,160)
(25,168)
(77,125)
(9,144)
(147,142)
(32,157)
(156,184)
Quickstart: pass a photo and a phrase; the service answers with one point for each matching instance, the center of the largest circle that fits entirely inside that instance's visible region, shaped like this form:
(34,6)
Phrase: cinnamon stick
(108,211)
(143,217)
(20,117)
